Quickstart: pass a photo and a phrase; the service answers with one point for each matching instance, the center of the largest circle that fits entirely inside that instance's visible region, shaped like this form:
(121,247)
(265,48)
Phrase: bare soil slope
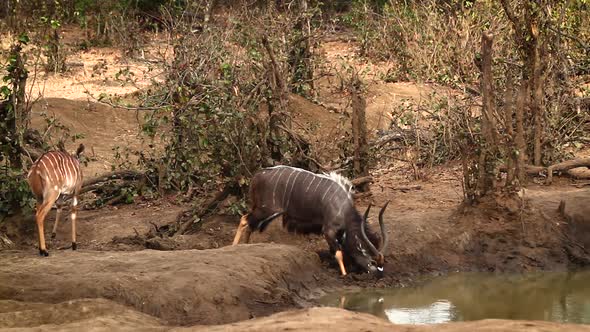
(103,128)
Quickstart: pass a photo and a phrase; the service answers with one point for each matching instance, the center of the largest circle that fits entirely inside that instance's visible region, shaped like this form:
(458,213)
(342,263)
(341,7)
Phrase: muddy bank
(492,238)
(179,287)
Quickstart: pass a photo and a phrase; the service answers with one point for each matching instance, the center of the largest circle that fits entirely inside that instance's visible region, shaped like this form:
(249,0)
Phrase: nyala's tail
(79,150)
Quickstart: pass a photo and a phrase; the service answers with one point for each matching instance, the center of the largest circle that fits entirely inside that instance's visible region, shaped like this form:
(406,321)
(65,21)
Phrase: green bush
(15,194)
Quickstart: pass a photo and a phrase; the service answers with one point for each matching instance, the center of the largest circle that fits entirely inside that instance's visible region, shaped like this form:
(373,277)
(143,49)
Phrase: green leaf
(23,38)
(5,91)
(55,24)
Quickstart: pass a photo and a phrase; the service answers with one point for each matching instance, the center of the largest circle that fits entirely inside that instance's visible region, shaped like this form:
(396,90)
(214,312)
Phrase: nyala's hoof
(74,246)
(43,253)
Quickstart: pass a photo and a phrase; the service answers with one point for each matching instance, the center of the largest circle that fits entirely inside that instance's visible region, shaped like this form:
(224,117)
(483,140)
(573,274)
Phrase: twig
(574,38)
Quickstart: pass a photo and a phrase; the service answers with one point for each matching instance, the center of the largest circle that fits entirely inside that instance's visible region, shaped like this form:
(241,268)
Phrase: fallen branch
(362,181)
(122,175)
(361,195)
(117,199)
(408,188)
(385,139)
(580,185)
(566,166)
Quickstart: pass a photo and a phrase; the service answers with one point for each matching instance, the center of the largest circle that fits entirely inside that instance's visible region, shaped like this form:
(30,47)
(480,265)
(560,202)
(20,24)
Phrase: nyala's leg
(241,228)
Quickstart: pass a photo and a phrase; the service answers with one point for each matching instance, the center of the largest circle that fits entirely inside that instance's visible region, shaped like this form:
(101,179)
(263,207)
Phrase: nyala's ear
(79,150)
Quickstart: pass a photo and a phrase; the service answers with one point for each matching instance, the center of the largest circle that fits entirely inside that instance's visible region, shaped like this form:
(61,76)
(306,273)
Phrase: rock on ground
(575,208)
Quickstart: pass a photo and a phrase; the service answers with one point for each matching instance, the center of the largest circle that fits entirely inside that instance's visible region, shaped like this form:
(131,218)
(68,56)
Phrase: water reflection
(560,297)
(437,312)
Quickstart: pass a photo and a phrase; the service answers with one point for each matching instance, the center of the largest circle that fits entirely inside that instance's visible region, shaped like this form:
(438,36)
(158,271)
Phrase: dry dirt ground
(104,315)
(113,282)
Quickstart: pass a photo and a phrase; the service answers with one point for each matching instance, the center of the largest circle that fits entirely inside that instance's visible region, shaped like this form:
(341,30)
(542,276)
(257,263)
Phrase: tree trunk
(488,145)
(533,61)
(508,124)
(208,11)
(277,104)
(17,112)
(359,131)
(519,139)
(300,53)
(527,37)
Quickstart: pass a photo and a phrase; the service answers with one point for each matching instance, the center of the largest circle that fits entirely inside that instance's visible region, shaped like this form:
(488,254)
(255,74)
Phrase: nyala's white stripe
(341,180)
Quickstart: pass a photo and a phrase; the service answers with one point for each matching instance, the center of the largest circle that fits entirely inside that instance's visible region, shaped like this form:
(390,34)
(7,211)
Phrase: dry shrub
(221,109)
(440,41)
(428,40)
(439,129)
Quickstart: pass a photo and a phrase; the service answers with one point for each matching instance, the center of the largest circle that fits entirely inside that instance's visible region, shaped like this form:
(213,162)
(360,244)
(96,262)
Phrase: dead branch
(326,106)
(572,37)
(204,209)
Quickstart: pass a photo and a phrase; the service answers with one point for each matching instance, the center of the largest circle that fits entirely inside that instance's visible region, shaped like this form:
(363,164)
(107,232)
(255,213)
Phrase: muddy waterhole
(562,297)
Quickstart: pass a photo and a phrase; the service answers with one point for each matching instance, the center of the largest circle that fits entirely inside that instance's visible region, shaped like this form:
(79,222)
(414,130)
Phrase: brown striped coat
(55,174)
(313,203)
